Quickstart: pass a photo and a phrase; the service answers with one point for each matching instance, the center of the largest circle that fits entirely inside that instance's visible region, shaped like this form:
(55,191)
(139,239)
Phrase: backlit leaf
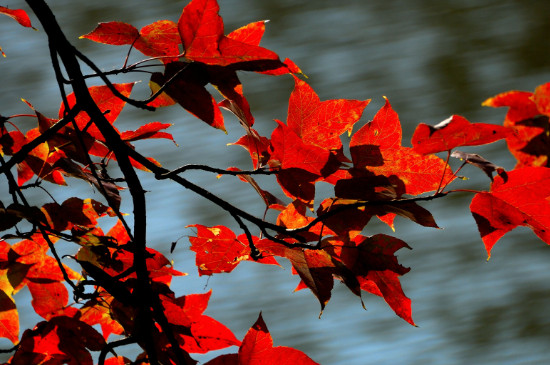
(9,316)
(454,132)
(159,39)
(18,15)
(220,251)
(202,33)
(518,199)
(257,348)
(377,148)
(528,116)
(321,123)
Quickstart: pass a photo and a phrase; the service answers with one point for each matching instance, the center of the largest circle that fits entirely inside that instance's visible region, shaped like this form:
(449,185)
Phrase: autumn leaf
(75,211)
(202,33)
(478,161)
(317,270)
(257,146)
(9,316)
(216,58)
(188,90)
(373,261)
(290,151)
(18,15)
(38,162)
(98,311)
(257,348)
(321,123)
(454,132)
(29,265)
(109,104)
(519,199)
(159,39)
(61,340)
(11,142)
(119,360)
(147,131)
(310,140)
(196,332)
(528,115)
(220,251)
(377,148)
(358,186)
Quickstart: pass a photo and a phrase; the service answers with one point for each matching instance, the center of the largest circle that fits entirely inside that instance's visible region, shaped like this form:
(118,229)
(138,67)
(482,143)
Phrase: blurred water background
(431,59)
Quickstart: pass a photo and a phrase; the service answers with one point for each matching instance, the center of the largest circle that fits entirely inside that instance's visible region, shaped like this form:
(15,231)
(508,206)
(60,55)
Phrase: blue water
(431,59)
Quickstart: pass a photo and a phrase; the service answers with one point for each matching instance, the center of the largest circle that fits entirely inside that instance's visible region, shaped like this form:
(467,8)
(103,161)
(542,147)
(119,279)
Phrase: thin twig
(215,170)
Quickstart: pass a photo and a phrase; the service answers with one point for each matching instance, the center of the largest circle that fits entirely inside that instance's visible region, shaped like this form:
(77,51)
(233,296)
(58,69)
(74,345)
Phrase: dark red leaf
(474,159)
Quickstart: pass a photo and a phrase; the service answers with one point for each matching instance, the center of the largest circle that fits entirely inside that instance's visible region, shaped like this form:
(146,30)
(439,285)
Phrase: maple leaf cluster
(123,288)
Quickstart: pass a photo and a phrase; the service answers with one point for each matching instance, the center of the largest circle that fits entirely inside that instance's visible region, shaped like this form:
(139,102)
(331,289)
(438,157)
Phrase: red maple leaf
(196,332)
(219,250)
(215,59)
(256,145)
(202,34)
(18,15)
(454,132)
(321,123)
(29,265)
(98,311)
(308,148)
(377,148)
(518,199)
(528,115)
(257,348)
(61,340)
(147,131)
(160,39)
(109,104)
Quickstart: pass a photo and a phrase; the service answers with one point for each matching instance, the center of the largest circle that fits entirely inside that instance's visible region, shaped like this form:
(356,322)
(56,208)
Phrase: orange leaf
(9,316)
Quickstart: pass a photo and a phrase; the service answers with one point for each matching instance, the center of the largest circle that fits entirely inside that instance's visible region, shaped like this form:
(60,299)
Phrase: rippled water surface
(431,59)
